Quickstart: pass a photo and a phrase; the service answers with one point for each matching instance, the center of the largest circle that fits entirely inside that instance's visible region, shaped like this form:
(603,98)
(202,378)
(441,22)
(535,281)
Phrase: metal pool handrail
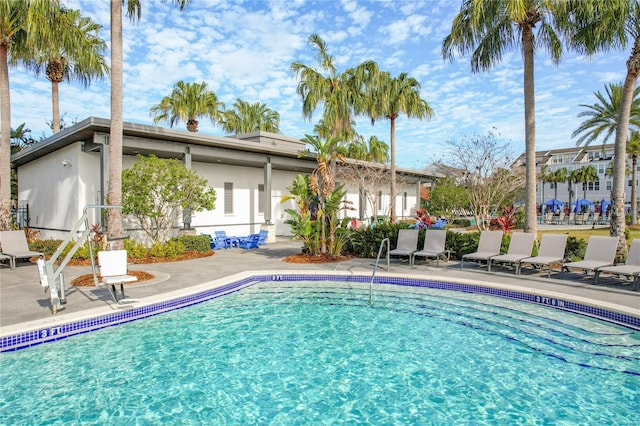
(375,266)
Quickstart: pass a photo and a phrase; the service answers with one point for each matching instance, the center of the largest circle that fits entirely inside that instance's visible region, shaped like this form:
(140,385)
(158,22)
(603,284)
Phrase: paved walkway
(22,299)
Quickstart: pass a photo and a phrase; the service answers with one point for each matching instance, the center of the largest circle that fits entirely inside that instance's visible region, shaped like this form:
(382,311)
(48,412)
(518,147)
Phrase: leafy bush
(48,247)
(576,247)
(462,222)
(171,248)
(365,242)
(200,243)
(134,249)
(461,243)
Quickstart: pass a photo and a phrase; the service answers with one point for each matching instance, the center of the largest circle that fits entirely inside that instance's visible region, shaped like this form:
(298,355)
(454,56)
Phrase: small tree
(155,190)
(488,175)
(448,198)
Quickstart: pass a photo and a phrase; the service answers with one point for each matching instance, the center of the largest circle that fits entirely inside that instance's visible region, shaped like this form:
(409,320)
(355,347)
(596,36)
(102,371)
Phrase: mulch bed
(315,258)
(87,280)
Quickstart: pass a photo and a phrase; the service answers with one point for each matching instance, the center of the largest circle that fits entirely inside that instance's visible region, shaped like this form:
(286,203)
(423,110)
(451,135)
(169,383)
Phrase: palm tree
(572,178)
(601,116)
(487,28)
(542,177)
(69,50)
(633,150)
(19,20)
(246,118)
(585,175)
(599,26)
(339,93)
(134,11)
(388,97)
(188,102)
(377,150)
(557,176)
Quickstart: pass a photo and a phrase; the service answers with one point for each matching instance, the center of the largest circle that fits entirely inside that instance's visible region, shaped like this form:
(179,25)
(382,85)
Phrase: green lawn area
(584,234)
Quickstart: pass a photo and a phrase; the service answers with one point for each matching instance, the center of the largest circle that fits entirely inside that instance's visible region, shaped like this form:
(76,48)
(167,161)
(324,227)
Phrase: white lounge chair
(407,243)
(519,248)
(113,270)
(601,251)
(14,244)
(551,252)
(489,246)
(434,242)
(9,258)
(630,268)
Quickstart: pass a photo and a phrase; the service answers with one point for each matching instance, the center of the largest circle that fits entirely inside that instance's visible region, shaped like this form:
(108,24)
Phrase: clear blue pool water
(308,353)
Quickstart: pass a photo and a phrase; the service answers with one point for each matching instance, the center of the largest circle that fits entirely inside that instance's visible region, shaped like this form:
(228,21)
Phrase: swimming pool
(300,352)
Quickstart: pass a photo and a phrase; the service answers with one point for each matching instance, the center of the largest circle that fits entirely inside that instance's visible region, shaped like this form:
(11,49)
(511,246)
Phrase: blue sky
(243,49)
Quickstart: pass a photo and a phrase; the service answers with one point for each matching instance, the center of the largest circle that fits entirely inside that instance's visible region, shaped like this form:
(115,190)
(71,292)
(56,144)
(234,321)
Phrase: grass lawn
(584,234)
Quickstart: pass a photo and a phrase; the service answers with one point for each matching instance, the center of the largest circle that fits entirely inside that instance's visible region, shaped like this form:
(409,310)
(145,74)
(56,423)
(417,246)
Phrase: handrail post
(375,266)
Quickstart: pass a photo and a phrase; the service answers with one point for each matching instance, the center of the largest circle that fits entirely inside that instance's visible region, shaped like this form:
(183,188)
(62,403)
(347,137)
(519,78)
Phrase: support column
(268,226)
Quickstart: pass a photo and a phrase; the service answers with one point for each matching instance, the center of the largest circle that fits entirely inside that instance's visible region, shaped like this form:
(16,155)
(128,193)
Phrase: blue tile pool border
(62,331)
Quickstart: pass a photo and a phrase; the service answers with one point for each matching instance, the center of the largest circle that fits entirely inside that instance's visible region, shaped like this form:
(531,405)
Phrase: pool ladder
(375,266)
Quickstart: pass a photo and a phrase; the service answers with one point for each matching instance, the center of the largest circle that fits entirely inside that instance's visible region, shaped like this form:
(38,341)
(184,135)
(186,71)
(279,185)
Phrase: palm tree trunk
(634,190)
(392,206)
(55,99)
(114,221)
(530,133)
(620,149)
(5,141)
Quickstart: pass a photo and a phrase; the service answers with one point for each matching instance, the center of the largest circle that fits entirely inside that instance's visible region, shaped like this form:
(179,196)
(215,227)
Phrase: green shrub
(171,248)
(365,242)
(576,247)
(461,243)
(462,222)
(200,243)
(134,249)
(48,247)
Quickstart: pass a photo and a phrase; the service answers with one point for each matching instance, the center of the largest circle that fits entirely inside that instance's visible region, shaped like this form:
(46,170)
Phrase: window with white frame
(609,185)
(228,198)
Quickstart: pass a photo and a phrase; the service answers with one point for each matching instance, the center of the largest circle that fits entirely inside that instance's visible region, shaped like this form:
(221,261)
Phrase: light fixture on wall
(66,163)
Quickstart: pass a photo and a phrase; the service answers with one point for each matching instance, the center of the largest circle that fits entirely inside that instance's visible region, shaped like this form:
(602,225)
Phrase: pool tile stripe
(49,334)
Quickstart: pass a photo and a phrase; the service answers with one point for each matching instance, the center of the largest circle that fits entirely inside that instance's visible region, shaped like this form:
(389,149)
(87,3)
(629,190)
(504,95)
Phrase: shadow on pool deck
(22,298)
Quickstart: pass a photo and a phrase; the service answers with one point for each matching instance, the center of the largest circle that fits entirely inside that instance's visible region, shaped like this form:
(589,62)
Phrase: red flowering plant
(506,222)
(423,218)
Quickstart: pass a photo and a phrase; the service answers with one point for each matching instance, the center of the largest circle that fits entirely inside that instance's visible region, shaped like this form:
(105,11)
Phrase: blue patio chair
(228,241)
(249,242)
(216,243)
(263,237)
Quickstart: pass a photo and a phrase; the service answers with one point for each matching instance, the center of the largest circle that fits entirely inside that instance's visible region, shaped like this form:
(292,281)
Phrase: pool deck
(24,305)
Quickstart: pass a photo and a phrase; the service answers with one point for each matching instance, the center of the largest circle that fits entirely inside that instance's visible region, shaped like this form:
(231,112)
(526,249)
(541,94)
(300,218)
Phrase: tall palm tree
(377,150)
(542,177)
(19,20)
(602,120)
(633,150)
(487,29)
(602,115)
(338,93)
(585,175)
(246,118)
(188,102)
(572,178)
(600,26)
(134,11)
(557,176)
(70,50)
(388,97)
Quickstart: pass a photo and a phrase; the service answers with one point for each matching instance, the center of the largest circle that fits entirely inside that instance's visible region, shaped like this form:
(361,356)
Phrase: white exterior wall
(55,192)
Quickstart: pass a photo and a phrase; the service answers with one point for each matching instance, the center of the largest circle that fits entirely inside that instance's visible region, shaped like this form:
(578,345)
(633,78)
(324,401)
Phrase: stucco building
(60,175)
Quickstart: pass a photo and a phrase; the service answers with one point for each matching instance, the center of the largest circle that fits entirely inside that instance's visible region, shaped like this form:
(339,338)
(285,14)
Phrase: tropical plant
(487,29)
(585,175)
(375,150)
(19,20)
(542,177)
(600,26)
(155,190)
(187,103)
(557,176)
(602,116)
(340,94)
(134,11)
(70,49)
(386,98)
(633,150)
(303,219)
(246,118)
